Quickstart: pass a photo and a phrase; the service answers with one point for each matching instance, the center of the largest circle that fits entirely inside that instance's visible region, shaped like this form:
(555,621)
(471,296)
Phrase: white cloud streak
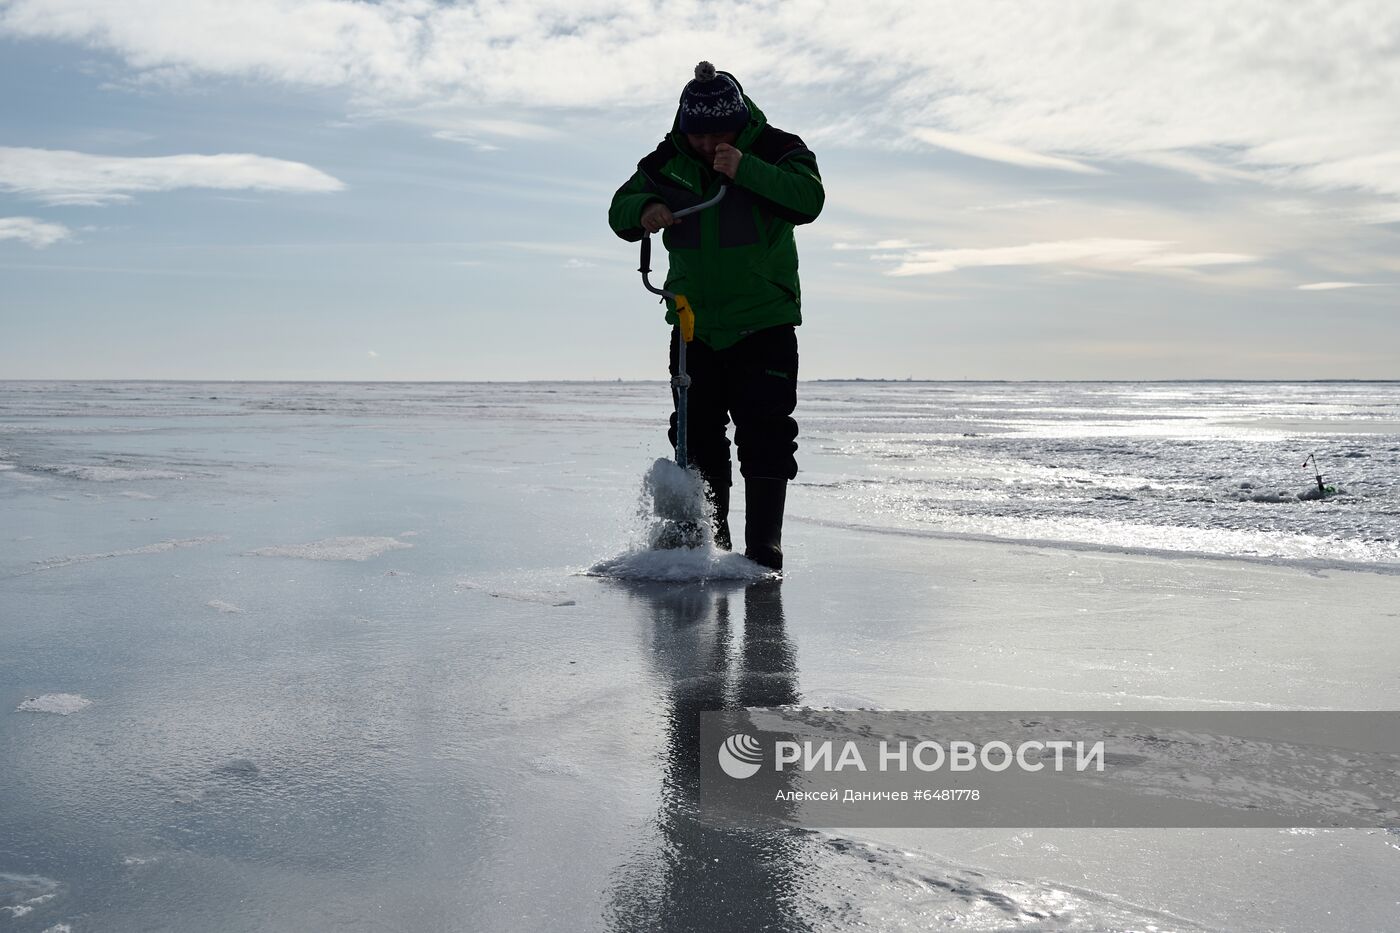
(879,244)
(1000,152)
(31,230)
(1183,260)
(56,176)
(475,132)
(1329,286)
(1093,252)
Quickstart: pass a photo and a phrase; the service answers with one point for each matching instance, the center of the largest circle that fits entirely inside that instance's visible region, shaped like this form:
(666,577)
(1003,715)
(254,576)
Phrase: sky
(412,190)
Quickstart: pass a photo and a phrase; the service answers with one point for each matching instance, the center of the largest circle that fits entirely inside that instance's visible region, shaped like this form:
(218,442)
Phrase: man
(737,264)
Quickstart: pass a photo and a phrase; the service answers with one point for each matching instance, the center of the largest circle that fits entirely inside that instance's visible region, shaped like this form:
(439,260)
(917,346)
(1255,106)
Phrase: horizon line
(616,381)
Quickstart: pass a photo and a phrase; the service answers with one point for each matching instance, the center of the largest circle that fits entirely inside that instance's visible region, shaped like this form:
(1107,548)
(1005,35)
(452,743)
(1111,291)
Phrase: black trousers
(755,383)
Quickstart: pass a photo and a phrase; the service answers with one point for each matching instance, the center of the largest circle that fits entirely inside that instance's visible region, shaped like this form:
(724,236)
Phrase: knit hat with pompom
(712,103)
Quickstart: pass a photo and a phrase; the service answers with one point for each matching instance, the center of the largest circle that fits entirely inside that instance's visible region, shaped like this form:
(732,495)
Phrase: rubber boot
(719,499)
(764,498)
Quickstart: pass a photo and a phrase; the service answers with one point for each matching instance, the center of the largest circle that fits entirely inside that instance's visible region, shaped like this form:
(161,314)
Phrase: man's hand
(727,159)
(655,216)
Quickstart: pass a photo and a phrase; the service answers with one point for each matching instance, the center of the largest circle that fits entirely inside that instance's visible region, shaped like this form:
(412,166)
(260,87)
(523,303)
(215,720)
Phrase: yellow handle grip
(686,317)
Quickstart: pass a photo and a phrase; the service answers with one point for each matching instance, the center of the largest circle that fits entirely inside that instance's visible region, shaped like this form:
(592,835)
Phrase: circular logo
(740,756)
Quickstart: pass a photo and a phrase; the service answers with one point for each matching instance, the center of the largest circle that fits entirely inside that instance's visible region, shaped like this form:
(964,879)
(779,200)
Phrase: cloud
(1196,166)
(1088,251)
(1329,286)
(455,127)
(1024,204)
(453,136)
(33,231)
(62,177)
(1179,260)
(1099,252)
(1000,152)
(880,244)
(510,129)
(1221,91)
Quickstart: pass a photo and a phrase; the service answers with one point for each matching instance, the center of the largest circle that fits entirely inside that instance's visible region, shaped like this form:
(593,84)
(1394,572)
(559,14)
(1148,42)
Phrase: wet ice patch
(543,598)
(109,474)
(345,548)
(10,470)
(870,885)
(838,700)
(22,894)
(157,548)
(60,704)
(556,764)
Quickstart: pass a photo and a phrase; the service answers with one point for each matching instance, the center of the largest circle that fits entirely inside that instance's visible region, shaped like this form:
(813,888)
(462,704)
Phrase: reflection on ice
(695,875)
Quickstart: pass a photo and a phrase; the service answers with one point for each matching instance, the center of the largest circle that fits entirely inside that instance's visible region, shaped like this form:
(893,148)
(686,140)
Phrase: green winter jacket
(737,261)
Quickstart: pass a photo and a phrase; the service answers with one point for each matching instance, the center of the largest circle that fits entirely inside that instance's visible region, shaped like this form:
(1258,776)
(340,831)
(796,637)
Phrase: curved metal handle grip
(723,190)
(645,267)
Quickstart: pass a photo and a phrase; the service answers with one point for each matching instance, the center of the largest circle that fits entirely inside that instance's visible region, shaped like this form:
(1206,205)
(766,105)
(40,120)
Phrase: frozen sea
(317,656)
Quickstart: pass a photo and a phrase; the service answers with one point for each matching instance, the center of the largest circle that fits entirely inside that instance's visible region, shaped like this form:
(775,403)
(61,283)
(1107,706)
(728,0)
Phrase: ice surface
(346,548)
(109,474)
(52,563)
(413,740)
(61,704)
(1117,465)
(23,894)
(525,596)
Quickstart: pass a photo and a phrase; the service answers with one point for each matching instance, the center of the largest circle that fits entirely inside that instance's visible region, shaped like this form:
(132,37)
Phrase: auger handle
(645,267)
